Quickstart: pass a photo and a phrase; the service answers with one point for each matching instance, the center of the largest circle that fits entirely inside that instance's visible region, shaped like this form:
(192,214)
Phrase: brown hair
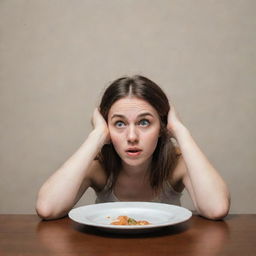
(164,157)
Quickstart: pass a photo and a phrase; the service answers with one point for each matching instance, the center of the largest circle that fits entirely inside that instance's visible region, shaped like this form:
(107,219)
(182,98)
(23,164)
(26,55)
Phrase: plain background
(56,58)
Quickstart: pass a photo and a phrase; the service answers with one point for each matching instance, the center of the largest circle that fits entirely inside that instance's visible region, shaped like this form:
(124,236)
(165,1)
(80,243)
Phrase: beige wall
(57,56)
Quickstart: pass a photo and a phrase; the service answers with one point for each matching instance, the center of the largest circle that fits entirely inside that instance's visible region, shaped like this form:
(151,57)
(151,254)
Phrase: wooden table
(28,235)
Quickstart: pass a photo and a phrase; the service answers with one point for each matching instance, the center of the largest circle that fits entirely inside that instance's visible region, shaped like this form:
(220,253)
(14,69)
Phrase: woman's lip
(136,153)
(133,149)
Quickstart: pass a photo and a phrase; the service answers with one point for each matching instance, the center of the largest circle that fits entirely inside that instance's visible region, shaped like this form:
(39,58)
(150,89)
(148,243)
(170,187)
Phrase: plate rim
(139,204)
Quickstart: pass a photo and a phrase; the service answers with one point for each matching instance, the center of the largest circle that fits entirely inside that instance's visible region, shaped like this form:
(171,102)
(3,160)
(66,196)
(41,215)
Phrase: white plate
(101,215)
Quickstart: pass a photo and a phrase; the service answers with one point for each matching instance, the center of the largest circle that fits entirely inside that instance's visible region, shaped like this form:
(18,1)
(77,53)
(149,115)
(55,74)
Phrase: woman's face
(134,127)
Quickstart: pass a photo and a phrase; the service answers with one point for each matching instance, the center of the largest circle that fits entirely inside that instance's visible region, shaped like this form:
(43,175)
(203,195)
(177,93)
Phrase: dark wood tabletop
(28,235)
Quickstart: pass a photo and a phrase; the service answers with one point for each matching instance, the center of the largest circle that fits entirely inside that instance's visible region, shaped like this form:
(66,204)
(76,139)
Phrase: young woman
(138,150)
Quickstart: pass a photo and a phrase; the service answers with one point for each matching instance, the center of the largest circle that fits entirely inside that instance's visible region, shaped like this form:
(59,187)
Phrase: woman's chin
(134,162)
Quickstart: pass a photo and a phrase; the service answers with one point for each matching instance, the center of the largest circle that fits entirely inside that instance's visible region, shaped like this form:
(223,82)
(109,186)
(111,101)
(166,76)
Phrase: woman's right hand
(99,124)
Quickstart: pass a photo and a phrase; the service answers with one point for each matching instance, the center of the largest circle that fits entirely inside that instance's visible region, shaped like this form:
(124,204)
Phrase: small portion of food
(125,220)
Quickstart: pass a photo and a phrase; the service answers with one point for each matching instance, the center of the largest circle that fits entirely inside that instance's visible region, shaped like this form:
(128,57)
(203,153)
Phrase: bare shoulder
(177,175)
(97,175)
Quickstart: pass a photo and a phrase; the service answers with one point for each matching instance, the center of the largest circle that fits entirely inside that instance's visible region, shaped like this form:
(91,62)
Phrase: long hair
(164,158)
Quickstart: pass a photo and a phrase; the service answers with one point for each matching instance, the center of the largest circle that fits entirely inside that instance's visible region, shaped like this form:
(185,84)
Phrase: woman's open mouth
(133,152)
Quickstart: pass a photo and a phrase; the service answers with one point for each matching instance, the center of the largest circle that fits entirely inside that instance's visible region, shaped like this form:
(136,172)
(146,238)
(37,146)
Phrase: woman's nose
(132,135)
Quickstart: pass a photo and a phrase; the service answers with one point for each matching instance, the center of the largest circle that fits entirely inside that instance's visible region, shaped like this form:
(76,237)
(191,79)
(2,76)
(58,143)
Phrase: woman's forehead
(131,106)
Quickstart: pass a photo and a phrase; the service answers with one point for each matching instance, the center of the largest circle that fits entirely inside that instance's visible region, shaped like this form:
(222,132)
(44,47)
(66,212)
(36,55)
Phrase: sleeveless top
(167,195)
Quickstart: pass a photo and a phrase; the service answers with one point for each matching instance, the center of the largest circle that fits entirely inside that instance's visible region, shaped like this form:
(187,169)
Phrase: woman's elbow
(218,212)
(46,212)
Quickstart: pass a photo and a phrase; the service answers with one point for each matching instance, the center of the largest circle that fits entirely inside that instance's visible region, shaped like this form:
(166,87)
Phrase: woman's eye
(119,124)
(144,122)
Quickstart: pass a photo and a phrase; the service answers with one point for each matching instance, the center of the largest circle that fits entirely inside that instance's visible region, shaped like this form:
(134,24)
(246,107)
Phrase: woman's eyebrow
(117,116)
(145,114)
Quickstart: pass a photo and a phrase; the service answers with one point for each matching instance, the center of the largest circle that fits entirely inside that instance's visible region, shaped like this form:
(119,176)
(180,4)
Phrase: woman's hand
(174,125)
(99,124)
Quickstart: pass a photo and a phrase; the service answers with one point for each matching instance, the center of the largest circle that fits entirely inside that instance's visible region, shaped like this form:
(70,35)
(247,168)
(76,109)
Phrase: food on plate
(125,220)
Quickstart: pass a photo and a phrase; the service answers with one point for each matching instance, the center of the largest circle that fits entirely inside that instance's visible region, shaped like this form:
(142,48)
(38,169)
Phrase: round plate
(101,215)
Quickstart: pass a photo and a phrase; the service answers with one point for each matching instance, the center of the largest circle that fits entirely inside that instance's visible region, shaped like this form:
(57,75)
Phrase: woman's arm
(207,189)
(65,187)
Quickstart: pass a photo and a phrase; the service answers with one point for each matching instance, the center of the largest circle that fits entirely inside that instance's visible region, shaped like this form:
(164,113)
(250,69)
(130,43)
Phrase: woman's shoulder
(97,175)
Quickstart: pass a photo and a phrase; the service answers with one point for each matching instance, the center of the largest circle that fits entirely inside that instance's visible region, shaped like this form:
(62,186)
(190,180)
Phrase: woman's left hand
(173,122)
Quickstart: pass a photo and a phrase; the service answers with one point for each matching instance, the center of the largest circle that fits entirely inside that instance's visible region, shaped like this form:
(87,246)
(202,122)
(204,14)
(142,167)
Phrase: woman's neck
(133,183)
(136,171)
